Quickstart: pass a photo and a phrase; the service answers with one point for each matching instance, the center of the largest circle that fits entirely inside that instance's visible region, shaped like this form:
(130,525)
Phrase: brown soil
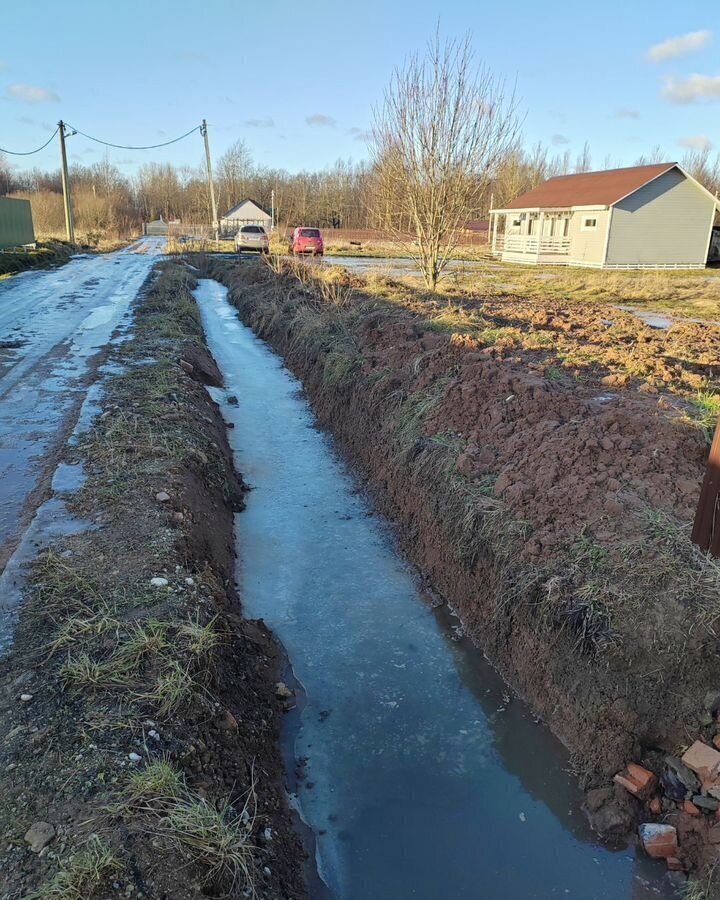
(547,499)
(64,758)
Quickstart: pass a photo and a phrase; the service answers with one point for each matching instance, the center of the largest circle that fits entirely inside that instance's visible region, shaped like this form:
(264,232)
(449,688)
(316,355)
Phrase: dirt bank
(138,709)
(548,501)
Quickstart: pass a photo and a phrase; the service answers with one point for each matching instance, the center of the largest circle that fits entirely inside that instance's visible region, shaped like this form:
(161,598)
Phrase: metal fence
(16,224)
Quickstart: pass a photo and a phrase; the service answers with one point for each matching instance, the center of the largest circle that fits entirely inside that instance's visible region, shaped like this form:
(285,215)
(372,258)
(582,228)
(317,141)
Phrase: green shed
(16,224)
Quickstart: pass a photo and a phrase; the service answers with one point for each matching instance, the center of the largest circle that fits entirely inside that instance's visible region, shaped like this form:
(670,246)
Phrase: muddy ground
(543,461)
(139,712)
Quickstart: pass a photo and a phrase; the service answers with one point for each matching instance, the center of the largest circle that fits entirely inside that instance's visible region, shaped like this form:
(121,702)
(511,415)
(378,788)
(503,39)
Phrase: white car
(252,237)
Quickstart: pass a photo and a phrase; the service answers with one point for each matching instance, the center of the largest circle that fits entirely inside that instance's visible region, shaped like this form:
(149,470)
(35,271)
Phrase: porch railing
(533,245)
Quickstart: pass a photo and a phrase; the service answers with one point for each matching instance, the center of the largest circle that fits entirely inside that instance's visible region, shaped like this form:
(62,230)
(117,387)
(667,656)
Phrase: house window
(589,224)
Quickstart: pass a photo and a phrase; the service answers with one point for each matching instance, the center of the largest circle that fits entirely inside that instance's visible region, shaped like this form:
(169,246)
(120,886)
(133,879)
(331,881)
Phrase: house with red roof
(655,216)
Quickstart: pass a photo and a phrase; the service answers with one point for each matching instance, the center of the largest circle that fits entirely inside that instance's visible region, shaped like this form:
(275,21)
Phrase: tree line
(350,195)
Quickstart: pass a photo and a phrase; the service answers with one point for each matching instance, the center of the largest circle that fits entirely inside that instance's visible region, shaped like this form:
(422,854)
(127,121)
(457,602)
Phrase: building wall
(665,223)
(16,224)
(588,247)
(247,214)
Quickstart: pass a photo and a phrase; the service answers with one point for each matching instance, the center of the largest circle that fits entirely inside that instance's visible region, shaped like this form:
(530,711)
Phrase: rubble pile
(679,803)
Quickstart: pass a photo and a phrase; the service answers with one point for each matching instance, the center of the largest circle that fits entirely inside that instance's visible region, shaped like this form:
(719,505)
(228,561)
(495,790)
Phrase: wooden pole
(67,202)
(706,528)
(208,161)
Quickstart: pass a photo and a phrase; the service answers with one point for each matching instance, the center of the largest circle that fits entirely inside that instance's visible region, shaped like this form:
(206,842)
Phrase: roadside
(545,491)
(45,255)
(48,254)
(139,709)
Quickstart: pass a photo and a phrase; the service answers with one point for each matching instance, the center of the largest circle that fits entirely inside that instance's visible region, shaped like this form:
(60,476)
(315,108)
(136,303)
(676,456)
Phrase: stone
(612,813)
(26,698)
(674,864)
(655,806)
(659,841)
(682,774)
(282,691)
(640,782)
(159,582)
(162,496)
(134,757)
(690,808)
(703,760)
(716,741)
(39,835)
(227,722)
(187,366)
(709,803)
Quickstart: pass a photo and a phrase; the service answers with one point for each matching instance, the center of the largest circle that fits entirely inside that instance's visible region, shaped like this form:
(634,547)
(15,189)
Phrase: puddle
(397,267)
(425,776)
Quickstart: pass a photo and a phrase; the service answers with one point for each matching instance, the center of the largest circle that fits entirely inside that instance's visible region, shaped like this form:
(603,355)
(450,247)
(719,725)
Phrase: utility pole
(67,201)
(272,210)
(204,130)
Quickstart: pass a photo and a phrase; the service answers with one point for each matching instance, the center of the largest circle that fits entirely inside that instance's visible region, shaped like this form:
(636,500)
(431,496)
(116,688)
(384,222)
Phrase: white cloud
(30,93)
(559,139)
(361,134)
(696,142)
(625,113)
(679,46)
(320,119)
(692,88)
(265,122)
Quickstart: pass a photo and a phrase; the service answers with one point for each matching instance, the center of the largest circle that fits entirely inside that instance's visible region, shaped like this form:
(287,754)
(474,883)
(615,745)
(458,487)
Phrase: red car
(308,240)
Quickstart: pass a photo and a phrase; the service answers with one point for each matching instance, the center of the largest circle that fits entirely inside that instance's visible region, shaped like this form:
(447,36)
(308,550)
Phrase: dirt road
(52,325)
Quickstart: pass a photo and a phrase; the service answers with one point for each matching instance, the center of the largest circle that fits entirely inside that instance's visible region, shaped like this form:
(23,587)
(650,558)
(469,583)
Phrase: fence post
(706,528)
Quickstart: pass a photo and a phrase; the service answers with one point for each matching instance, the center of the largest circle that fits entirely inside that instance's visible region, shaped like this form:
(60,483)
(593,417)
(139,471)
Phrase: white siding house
(654,216)
(245,213)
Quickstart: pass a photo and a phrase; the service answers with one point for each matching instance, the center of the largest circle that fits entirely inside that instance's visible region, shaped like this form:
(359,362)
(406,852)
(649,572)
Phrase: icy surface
(51,323)
(425,778)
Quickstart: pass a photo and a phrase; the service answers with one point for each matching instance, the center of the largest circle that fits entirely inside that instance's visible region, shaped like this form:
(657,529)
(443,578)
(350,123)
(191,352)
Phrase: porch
(532,237)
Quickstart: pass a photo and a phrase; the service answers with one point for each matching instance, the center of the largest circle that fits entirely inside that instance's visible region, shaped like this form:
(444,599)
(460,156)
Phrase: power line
(126,147)
(29,152)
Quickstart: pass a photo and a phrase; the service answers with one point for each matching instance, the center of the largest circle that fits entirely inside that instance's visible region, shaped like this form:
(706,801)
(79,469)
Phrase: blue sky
(297,80)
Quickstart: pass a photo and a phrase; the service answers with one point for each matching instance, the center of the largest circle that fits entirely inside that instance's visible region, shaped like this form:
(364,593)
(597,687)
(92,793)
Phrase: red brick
(674,864)
(637,780)
(659,841)
(655,806)
(690,808)
(703,760)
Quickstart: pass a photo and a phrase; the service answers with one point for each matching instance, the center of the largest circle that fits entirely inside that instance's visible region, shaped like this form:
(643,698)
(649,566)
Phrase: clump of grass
(707,412)
(83,874)
(217,840)
(173,688)
(339,366)
(83,672)
(200,641)
(157,782)
(78,629)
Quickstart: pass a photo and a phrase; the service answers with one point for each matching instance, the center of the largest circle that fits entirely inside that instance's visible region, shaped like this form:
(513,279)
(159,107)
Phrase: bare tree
(444,125)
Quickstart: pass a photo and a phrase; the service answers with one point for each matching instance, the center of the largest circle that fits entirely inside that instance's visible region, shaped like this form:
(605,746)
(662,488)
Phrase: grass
(216,836)
(158,782)
(217,839)
(81,876)
(707,412)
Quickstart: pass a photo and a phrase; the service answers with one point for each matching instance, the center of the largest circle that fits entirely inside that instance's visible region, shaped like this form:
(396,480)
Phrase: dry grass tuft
(84,873)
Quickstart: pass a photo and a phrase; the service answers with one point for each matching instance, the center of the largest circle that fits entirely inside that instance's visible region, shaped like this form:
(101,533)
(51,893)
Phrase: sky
(297,81)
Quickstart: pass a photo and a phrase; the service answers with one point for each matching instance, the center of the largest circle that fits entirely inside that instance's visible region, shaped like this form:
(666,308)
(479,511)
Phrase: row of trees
(108,202)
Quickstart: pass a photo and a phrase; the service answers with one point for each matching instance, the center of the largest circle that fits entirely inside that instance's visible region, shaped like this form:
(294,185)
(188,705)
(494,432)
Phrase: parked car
(308,240)
(252,237)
